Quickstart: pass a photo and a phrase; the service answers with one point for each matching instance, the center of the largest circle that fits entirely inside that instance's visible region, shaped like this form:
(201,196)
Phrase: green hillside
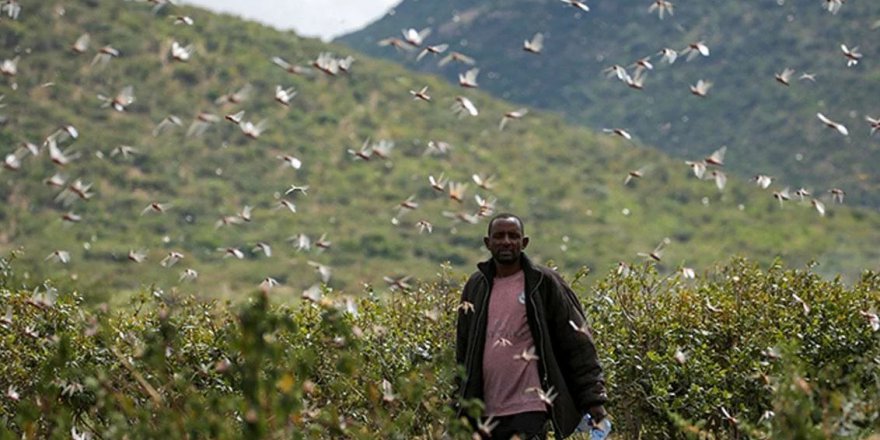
(768,127)
(566,181)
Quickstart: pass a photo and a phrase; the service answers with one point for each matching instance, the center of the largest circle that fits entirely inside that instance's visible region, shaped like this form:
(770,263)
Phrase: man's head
(506,238)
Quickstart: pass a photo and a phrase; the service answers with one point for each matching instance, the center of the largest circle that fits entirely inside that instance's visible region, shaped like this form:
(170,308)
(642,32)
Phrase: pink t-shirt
(505,375)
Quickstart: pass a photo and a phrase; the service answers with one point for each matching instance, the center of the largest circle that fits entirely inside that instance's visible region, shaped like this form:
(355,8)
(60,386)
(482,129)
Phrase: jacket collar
(532,274)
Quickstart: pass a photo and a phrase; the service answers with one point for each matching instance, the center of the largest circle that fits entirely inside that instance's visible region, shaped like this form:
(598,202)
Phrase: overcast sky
(312,18)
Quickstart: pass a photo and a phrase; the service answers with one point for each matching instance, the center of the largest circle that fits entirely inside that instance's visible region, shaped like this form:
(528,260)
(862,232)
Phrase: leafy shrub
(740,353)
(731,344)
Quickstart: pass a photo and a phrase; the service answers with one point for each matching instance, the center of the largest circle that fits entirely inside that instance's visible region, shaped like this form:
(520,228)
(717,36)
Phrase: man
(523,344)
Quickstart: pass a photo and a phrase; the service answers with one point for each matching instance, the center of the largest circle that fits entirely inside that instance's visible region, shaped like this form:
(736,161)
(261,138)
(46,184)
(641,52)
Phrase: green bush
(733,354)
(678,350)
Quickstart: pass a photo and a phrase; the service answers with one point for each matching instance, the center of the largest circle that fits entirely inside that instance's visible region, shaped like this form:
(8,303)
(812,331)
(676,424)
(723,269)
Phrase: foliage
(176,367)
(565,181)
(679,354)
(768,128)
(783,352)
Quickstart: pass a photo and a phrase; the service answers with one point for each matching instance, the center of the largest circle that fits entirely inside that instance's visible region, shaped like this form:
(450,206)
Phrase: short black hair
(507,215)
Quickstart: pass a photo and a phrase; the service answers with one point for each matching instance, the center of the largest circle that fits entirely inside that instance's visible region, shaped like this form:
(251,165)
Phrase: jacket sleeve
(575,350)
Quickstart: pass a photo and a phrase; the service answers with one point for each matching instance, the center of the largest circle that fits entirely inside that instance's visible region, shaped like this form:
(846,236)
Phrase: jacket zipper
(544,381)
(469,356)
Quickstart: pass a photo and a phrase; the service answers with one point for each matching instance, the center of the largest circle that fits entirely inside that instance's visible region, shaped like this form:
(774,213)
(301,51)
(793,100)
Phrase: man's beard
(506,257)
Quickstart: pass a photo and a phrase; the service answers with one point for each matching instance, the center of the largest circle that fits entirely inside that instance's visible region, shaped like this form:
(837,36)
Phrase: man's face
(506,241)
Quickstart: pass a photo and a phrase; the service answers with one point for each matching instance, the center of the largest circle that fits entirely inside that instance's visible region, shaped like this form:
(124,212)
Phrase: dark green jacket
(568,360)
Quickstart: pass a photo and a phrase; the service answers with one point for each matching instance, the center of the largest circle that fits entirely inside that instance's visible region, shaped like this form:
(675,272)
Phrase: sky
(310,18)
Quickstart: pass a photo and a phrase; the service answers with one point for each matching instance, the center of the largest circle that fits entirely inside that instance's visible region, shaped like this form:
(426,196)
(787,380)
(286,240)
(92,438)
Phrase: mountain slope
(566,181)
(768,127)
